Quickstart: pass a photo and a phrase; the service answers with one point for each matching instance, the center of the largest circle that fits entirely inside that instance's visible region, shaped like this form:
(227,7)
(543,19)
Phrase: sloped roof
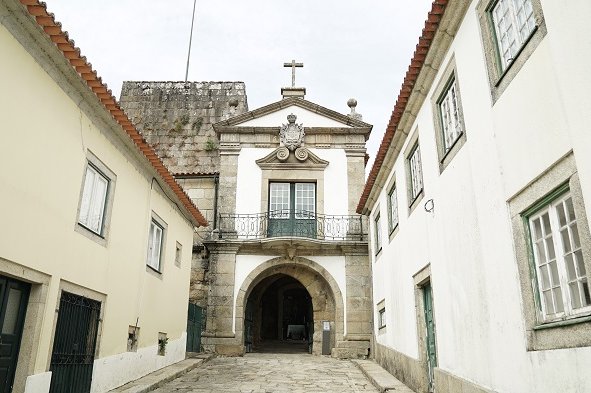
(46,20)
(416,64)
(294,101)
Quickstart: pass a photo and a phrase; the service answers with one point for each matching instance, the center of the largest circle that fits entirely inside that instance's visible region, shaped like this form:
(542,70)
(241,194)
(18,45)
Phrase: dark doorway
(194,327)
(74,344)
(14,296)
(279,317)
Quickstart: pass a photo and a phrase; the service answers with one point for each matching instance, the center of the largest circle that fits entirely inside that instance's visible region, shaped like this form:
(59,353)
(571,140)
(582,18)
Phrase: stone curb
(158,378)
(380,378)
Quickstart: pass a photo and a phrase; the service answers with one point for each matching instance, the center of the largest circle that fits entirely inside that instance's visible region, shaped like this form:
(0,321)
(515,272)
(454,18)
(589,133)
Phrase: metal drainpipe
(216,181)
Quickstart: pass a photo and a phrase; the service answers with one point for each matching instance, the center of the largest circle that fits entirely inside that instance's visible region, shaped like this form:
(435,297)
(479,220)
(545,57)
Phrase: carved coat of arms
(292,134)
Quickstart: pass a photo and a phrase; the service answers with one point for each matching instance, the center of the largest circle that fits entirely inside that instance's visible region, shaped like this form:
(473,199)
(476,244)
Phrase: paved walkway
(272,373)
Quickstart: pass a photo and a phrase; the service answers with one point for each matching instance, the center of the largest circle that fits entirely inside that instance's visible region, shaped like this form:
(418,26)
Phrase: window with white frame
(279,200)
(415,172)
(94,199)
(292,199)
(155,240)
(382,318)
(450,112)
(178,255)
(562,283)
(514,22)
(305,200)
(377,233)
(392,208)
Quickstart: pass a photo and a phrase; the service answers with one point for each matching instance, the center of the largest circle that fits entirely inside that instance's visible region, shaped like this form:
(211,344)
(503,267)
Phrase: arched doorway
(284,305)
(279,316)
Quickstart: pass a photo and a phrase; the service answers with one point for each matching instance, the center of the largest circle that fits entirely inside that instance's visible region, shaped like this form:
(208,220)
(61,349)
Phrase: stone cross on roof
(293,66)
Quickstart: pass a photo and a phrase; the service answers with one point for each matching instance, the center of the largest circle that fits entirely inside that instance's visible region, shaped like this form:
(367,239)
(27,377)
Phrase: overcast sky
(357,49)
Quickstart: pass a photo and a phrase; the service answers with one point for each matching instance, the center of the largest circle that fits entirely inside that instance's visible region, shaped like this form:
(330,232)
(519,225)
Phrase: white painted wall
(304,116)
(42,178)
(467,239)
(245,264)
(335,181)
(249,181)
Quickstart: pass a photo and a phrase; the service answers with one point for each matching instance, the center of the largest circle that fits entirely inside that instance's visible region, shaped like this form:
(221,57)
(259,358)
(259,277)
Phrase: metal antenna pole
(190,40)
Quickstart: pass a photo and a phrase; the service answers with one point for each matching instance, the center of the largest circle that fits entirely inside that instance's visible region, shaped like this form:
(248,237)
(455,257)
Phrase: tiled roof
(416,63)
(46,20)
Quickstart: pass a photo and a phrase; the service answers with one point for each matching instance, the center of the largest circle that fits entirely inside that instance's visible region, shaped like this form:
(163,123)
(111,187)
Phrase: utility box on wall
(326,338)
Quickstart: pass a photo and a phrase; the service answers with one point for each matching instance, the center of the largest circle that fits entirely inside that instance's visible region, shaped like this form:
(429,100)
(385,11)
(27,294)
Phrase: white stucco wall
(467,239)
(48,137)
(245,264)
(249,181)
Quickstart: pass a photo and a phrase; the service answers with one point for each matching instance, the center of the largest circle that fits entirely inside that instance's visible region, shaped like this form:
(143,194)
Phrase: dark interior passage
(279,316)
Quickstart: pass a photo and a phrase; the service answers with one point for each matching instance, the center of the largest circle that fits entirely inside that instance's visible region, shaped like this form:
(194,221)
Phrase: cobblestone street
(272,373)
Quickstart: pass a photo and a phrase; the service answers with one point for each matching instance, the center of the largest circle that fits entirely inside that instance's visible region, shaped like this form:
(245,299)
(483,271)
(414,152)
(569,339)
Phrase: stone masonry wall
(176,119)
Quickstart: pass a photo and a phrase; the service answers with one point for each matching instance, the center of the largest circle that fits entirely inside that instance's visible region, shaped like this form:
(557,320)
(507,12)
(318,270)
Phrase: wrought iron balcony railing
(291,223)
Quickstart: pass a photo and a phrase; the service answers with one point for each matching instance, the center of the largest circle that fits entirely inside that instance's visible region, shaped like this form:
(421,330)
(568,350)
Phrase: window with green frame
(377,232)
(392,208)
(450,114)
(561,283)
(514,22)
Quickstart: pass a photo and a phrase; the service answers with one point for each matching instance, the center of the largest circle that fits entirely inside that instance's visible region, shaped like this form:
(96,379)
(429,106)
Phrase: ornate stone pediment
(301,158)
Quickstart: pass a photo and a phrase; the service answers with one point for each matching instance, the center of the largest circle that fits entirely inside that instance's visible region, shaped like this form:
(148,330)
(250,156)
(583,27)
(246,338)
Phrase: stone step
(353,344)
(350,353)
(380,378)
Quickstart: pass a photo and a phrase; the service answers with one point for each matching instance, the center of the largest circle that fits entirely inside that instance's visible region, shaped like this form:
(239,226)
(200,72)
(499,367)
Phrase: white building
(479,198)
(96,236)
(288,262)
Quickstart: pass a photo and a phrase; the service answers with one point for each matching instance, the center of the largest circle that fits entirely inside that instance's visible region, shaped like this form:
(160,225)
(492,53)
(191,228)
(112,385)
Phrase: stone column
(359,292)
(219,336)
(355,174)
(228,175)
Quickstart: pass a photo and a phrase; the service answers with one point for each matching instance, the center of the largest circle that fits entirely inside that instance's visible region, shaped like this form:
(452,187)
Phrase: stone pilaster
(227,185)
(359,293)
(219,336)
(355,176)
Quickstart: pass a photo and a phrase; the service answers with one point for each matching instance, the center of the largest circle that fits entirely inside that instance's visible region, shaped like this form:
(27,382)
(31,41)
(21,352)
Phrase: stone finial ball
(352,103)
(233,102)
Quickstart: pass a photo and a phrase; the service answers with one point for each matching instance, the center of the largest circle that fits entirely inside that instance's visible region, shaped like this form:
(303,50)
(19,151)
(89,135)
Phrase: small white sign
(326,326)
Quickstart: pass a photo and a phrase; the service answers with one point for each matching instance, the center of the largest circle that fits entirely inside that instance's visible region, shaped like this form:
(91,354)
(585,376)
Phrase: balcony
(292,223)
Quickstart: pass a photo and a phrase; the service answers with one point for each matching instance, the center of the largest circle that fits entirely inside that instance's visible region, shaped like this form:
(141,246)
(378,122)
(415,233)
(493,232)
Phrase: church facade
(479,202)
(288,258)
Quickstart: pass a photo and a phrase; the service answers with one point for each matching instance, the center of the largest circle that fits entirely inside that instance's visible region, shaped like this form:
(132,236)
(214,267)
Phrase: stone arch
(327,300)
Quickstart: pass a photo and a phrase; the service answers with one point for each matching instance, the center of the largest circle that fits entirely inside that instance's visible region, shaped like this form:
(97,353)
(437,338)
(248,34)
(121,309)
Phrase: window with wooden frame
(382,318)
(511,31)
(377,232)
(392,209)
(450,115)
(155,245)
(557,257)
(415,172)
(94,200)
